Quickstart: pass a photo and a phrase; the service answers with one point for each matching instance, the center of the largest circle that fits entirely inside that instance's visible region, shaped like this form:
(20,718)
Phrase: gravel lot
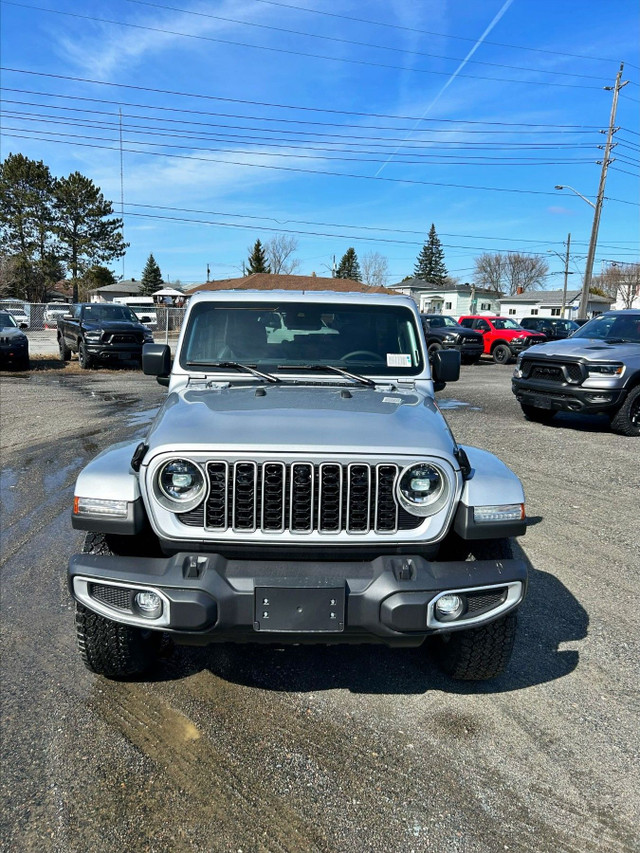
(312,749)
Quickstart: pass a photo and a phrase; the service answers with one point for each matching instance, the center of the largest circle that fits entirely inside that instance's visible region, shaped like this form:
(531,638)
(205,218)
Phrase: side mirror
(67,316)
(445,367)
(24,325)
(156,359)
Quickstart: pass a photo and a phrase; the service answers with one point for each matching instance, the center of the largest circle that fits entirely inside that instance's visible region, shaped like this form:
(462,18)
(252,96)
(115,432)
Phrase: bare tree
(510,273)
(375,269)
(621,281)
(279,250)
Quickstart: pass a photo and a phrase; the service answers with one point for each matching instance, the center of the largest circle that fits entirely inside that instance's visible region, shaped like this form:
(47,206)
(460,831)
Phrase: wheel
(434,347)
(65,352)
(362,352)
(626,420)
(23,364)
(109,648)
(541,416)
(478,653)
(84,358)
(501,354)
(483,652)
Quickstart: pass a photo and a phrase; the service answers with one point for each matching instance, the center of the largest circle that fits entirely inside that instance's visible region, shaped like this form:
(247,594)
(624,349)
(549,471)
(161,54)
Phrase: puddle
(8,481)
(457,404)
(142,418)
(54,481)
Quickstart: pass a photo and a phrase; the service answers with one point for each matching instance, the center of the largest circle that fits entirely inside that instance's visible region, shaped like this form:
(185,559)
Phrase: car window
(483,326)
(6,320)
(467,322)
(611,327)
(366,338)
(505,323)
(98,313)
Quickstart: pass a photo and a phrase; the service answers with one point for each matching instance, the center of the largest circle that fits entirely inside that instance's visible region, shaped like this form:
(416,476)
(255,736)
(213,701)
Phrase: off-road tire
(65,352)
(540,416)
(478,653)
(434,347)
(109,648)
(502,354)
(84,359)
(626,421)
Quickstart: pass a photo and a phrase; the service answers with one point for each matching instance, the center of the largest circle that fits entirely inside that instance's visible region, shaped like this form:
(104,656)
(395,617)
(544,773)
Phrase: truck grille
(122,338)
(567,371)
(302,498)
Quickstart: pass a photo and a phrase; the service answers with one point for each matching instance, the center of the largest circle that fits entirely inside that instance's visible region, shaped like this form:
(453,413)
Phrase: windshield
(6,320)
(99,313)
(440,322)
(565,325)
(377,339)
(505,323)
(611,327)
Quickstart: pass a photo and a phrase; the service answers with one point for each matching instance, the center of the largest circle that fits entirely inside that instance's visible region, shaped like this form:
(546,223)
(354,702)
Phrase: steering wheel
(360,352)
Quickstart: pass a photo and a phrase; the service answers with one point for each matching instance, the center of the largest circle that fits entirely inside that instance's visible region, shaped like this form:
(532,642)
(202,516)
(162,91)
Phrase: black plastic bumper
(566,398)
(214,599)
(114,352)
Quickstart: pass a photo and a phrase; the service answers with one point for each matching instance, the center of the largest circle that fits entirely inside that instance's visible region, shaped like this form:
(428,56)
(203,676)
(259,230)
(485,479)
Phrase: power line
(322,37)
(282,106)
(306,54)
(291,169)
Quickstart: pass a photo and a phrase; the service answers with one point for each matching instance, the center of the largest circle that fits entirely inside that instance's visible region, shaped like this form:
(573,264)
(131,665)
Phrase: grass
(46,363)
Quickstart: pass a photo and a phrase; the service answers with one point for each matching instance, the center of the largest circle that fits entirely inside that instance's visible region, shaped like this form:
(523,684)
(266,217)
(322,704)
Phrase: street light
(583,197)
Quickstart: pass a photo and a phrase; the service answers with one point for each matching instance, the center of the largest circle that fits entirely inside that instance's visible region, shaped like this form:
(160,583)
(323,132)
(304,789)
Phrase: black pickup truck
(101,332)
(443,332)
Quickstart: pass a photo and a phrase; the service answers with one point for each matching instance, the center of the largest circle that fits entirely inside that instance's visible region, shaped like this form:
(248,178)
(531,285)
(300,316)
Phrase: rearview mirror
(156,359)
(445,367)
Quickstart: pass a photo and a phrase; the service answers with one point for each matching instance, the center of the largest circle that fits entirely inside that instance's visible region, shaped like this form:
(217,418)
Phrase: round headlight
(422,489)
(181,485)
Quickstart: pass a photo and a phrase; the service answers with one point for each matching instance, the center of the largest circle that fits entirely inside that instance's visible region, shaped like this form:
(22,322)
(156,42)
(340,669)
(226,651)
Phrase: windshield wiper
(364,380)
(235,365)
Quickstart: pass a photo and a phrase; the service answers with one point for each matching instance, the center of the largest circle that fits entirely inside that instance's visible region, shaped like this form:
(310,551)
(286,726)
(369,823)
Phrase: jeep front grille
(302,498)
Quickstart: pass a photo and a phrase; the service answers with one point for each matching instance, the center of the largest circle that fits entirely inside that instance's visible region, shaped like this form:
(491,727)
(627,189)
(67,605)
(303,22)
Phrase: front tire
(626,420)
(502,354)
(540,416)
(109,648)
(84,358)
(65,352)
(476,654)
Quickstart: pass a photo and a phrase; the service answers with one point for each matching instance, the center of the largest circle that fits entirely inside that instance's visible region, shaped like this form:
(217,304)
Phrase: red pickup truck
(503,338)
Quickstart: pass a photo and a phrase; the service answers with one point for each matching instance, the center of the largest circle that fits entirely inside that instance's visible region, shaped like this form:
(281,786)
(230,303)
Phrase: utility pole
(121,185)
(208,272)
(588,272)
(566,276)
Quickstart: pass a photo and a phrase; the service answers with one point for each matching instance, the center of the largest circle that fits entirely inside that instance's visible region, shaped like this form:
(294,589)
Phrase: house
(454,299)
(548,303)
(109,292)
(276,281)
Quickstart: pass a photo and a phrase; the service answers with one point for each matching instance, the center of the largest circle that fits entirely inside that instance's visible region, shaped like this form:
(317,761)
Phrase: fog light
(149,604)
(449,607)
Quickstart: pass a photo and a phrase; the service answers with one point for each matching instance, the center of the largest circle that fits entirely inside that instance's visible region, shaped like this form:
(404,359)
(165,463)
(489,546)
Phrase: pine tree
(349,266)
(430,262)
(151,277)
(258,260)
(86,235)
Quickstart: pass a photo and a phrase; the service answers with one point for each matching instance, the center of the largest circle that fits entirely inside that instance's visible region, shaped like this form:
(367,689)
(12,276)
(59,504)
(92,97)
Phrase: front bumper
(113,352)
(207,598)
(565,397)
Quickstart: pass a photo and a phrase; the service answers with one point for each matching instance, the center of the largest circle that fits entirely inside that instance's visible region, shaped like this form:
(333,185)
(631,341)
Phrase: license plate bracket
(299,609)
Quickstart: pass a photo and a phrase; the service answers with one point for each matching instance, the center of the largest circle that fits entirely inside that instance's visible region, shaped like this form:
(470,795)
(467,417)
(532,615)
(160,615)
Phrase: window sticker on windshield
(398,359)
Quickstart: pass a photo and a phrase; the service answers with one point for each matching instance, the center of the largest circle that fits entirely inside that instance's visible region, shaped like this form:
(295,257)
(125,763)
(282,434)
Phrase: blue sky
(335,122)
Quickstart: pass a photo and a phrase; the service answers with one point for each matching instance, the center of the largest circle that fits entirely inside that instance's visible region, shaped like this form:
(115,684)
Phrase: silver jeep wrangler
(299,484)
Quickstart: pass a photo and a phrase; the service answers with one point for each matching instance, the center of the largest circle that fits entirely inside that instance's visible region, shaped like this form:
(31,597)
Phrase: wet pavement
(325,749)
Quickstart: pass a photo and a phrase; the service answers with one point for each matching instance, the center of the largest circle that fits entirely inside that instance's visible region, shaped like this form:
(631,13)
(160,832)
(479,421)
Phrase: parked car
(295,491)
(17,311)
(503,337)
(553,328)
(54,311)
(596,370)
(101,332)
(443,332)
(14,344)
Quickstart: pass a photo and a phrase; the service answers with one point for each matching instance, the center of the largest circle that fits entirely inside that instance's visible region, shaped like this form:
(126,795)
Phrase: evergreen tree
(86,234)
(349,266)
(26,226)
(258,260)
(151,277)
(430,262)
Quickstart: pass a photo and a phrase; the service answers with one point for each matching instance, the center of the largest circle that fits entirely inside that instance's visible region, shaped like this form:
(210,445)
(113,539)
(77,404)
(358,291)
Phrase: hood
(11,332)
(301,418)
(590,349)
(113,325)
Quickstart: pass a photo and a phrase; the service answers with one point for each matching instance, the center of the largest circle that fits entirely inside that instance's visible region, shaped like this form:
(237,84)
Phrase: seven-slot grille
(302,498)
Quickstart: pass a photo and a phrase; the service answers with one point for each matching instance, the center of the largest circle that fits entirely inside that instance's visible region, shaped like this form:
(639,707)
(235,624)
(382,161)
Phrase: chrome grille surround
(289,498)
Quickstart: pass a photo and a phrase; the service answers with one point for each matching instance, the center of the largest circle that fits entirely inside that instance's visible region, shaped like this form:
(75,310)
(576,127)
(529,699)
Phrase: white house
(548,303)
(454,299)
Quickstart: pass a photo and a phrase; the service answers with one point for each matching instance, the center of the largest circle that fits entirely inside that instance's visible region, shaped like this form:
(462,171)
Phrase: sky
(339,124)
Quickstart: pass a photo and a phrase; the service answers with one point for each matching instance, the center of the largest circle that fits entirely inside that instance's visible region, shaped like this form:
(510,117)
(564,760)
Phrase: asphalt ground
(314,749)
